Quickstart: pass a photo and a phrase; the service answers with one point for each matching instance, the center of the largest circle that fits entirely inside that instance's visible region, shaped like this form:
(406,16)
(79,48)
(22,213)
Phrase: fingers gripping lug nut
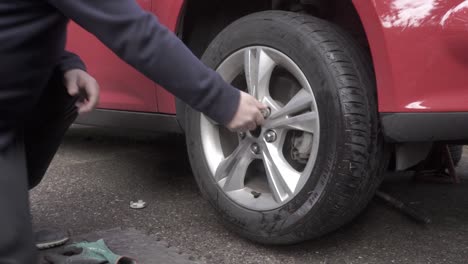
(266,112)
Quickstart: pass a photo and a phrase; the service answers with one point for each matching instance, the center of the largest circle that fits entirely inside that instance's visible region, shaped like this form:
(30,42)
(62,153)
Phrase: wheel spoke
(258,69)
(301,101)
(282,178)
(307,122)
(233,169)
(270,102)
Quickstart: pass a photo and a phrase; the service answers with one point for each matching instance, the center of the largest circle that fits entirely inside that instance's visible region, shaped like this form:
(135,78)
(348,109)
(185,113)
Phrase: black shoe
(49,238)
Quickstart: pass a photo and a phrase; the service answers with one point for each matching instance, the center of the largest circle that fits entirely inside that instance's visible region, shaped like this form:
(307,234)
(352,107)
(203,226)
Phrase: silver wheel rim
(265,169)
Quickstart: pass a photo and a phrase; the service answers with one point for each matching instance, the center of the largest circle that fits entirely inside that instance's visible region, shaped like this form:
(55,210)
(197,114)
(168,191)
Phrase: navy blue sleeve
(70,61)
(139,39)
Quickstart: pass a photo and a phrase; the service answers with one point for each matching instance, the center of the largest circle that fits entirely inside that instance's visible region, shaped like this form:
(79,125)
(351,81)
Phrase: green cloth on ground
(88,253)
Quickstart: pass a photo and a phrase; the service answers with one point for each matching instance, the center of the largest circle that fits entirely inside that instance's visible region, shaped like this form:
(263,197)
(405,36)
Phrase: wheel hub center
(256,133)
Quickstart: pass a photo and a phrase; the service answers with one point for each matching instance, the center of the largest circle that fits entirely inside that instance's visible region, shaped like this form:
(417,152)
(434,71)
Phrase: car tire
(350,159)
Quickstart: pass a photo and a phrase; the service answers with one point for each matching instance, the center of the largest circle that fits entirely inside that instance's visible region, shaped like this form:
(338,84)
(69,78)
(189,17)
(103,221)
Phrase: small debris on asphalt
(138,205)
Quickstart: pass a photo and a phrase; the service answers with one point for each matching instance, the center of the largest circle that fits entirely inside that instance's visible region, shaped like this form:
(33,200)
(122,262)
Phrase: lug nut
(255,148)
(270,136)
(266,112)
(242,135)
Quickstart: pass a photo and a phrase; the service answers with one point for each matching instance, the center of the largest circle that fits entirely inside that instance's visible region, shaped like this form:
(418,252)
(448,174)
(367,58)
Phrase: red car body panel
(420,53)
(122,87)
(419,50)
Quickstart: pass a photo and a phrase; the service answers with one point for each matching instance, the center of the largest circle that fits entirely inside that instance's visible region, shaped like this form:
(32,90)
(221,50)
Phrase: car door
(122,87)
(168,13)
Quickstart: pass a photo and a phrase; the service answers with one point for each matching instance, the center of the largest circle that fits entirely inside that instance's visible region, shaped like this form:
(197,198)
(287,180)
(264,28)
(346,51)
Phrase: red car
(350,85)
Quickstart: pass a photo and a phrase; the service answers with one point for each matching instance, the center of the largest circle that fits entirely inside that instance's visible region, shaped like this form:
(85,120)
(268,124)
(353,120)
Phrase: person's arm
(70,61)
(138,38)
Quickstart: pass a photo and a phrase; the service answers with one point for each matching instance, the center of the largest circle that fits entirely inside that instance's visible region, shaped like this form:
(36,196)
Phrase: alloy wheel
(265,168)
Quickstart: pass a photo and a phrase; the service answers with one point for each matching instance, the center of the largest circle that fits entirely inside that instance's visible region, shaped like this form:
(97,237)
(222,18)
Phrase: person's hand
(248,115)
(80,83)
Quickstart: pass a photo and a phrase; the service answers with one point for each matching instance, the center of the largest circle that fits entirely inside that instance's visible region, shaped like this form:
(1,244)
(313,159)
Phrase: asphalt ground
(97,172)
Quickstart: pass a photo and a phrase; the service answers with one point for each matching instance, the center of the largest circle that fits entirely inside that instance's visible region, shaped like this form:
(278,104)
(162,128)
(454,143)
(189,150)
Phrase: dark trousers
(28,144)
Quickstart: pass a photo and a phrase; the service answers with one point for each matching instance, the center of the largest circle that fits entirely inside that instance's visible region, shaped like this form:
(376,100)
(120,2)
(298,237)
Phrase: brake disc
(302,147)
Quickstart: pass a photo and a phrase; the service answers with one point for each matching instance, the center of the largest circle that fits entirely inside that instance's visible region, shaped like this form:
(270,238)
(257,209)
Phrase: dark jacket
(33,36)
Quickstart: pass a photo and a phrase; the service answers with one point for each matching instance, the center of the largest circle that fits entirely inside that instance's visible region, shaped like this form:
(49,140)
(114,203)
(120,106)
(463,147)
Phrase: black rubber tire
(457,153)
(351,151)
